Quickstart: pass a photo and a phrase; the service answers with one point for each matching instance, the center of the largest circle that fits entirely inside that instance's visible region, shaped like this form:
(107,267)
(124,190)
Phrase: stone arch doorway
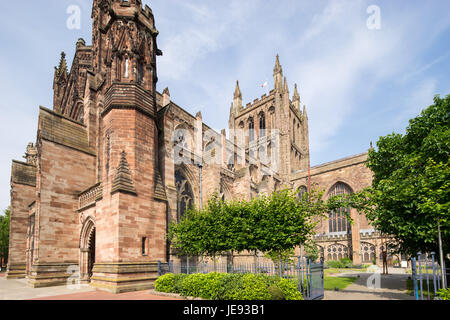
(91,253)
(87,250)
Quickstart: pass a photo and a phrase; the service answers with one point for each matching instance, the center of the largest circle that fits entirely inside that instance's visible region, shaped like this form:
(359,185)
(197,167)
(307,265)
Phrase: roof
(59,129)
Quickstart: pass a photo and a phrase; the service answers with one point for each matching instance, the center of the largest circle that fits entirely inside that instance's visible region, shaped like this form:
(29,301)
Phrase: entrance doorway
(87,250)
(91,253)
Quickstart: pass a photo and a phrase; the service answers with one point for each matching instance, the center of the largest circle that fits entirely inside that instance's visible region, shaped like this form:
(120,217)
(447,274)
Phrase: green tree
(4,232)
(410,191)
(274,224)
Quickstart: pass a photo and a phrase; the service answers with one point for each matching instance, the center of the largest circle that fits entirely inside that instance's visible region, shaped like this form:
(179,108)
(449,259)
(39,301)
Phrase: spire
(304,112)
(237,92)
(123,181)
(278,75)
(296,98)
(277,68)
(285,86)
(237,98)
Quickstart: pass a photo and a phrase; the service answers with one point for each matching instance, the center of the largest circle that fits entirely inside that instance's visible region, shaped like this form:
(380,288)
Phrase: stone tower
(96,200)
(124,59)
(280,121)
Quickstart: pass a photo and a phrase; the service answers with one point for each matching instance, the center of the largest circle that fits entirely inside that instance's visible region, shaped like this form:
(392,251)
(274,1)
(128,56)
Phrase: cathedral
(115,161)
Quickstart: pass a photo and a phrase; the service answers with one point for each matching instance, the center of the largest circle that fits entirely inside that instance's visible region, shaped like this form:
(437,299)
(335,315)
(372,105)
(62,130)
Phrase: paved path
(17,289)
(101,295)
(392,287)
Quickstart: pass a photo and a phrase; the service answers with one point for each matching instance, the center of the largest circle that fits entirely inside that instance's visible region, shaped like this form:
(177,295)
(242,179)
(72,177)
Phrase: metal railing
(308,275)
(427,276)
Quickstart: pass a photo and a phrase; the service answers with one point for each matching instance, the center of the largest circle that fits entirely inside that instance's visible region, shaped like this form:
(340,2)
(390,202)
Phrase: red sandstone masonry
(21,198)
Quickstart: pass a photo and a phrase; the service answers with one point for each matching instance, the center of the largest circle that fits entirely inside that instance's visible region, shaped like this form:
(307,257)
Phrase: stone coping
(171,295)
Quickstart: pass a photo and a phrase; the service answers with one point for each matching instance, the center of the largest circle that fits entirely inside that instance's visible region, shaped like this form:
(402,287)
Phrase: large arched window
(262,124)
(338,221)
(251,130)
(185,197)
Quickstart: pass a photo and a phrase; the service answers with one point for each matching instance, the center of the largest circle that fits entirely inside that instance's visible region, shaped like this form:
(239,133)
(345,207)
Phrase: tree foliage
(273,224)
(411,184)
(4,232)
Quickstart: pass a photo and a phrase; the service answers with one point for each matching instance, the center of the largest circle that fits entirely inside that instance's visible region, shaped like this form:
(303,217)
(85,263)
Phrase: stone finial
(166,97)
(62,67)
(278,68)
(31,154)
(237,92)
(304,112)
(123,181)
(371,146)
(237,98)
(81,42)
(232,110)
(278,75)
(285,86)
(199,115)
(296,98)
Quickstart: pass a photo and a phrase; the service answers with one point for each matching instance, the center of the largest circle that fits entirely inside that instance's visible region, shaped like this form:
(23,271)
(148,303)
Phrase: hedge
(444,294)
(223,286)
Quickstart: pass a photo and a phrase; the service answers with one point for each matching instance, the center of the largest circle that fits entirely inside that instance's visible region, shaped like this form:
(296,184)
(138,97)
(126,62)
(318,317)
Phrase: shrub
(220,286)
(334,264)
(289,289)
(346,262)
(254,288)
(178,281)
(165,283)
(444,294)
(276,293)
(342,263)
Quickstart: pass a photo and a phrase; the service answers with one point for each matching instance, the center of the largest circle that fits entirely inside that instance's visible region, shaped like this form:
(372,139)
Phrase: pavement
(378,287)
(18,289)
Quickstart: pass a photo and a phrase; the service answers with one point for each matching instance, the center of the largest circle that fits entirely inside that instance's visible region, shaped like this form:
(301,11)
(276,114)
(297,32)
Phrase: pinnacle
(62,68)
(296,94)
(123,180)
(237,92)
(277,68)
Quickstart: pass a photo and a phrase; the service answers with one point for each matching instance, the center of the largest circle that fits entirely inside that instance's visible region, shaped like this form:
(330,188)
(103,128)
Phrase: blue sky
(358,83)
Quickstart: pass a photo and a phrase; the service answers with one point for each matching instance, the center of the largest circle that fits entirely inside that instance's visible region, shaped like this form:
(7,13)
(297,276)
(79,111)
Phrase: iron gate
(427,276)
(315,281)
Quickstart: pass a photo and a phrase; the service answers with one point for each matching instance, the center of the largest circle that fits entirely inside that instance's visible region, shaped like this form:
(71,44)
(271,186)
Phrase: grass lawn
(331,271)
(330,283)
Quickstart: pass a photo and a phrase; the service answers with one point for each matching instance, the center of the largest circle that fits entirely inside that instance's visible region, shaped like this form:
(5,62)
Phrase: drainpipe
(200,166)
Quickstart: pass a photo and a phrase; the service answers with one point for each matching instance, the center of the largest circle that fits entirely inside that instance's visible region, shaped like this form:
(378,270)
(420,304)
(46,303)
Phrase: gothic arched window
(338,221)
(301,191)
(185,197)
(262,124)
(251,130)
(367,252)
(337,251)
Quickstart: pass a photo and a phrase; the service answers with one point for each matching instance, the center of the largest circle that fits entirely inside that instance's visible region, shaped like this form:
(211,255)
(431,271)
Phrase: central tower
(275,113)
